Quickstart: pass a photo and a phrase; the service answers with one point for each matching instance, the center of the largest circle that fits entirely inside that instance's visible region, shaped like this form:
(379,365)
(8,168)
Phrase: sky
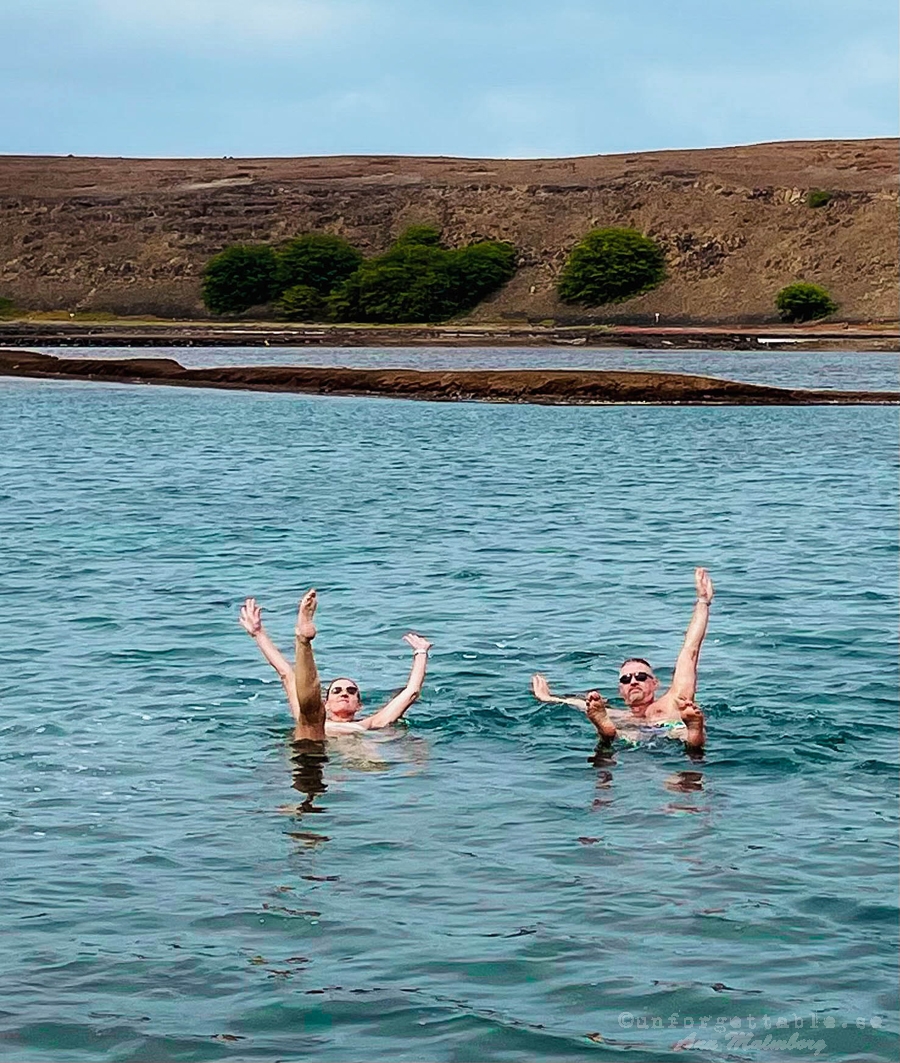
(473,78)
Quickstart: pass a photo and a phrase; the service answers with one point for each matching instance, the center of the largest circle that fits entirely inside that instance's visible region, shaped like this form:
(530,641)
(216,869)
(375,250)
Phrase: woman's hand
(251,618)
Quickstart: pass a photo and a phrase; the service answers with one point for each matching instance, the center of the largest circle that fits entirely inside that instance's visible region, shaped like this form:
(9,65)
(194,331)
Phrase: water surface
(478,885)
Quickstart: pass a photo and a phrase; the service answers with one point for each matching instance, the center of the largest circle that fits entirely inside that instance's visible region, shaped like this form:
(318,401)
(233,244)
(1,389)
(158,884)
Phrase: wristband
(417,652)
(706,601)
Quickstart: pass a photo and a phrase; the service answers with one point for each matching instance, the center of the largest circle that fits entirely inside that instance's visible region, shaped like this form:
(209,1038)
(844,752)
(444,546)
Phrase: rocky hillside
(131,236)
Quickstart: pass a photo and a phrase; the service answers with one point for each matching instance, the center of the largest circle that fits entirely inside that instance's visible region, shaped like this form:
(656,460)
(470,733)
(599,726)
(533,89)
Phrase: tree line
(322,277)
(318,277)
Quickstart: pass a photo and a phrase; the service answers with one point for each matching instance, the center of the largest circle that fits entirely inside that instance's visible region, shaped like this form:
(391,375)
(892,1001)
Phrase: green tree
(804,302)
(418,280)
(479,269)
(301,303)
(316,260)
(7,307)
(609,266)
(419,234)
(818,197)
(410,283)
(239,277)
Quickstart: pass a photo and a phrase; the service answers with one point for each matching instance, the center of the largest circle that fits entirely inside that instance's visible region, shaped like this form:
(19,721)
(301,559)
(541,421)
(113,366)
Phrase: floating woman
(317,718)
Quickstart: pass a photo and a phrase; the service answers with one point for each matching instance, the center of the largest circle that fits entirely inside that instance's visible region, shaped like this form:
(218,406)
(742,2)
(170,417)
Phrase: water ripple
(181,883)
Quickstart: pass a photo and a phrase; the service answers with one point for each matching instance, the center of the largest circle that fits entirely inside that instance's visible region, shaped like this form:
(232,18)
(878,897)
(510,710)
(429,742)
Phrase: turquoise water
(478,886)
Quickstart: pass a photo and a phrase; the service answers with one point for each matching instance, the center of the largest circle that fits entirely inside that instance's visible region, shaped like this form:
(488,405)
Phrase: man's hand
(418,643)
(540,687)
(705,588)
(251,617)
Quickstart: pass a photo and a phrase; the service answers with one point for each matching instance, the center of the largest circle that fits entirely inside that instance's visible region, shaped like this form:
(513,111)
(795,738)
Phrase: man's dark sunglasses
(638,677)
(340,690)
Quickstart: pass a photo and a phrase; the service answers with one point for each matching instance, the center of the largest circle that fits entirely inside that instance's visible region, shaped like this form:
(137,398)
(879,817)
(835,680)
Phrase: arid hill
(131,236)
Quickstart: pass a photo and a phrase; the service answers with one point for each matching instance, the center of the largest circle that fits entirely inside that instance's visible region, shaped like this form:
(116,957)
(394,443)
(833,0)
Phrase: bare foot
(596,706)
(306,629)
(693,719)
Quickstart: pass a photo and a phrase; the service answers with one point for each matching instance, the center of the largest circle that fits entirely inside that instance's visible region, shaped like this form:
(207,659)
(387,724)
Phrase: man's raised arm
(684,682)
(398,704)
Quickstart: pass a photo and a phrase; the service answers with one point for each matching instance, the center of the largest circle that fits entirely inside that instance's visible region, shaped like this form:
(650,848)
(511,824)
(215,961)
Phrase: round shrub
(818,198)
(301,303)
(804,302)
(316,260)
(238,278)
(609,266)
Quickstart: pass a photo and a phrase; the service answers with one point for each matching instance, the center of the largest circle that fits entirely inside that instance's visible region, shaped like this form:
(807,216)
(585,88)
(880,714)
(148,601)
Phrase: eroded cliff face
(132,236)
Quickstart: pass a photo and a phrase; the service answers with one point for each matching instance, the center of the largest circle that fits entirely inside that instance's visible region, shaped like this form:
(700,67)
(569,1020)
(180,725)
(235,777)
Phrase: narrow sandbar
(546,386)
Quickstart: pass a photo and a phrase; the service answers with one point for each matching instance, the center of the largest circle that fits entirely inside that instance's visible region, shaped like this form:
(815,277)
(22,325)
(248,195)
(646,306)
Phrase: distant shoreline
(270,334)
(540,386)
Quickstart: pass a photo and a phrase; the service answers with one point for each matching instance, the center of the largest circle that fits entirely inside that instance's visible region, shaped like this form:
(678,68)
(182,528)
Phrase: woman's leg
(311,724)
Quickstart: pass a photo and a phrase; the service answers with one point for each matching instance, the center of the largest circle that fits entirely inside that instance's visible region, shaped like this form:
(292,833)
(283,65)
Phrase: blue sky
(501,78)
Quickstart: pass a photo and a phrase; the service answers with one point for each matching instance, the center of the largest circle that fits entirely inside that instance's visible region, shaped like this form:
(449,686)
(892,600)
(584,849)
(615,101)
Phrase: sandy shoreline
(269,334)
(545,386)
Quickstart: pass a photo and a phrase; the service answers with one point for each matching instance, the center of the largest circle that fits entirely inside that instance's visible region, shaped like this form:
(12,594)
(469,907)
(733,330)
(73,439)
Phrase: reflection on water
(685,782)
(349,754)
(605,760)
(308,760)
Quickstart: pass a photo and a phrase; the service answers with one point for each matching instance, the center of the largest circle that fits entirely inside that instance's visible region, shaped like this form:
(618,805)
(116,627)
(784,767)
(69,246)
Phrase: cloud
(468,77)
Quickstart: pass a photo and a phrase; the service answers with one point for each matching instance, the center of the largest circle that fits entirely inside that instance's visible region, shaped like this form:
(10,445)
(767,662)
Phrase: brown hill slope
(132,235)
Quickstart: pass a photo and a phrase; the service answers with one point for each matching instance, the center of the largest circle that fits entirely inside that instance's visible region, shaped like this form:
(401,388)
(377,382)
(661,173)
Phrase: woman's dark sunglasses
(340,690)
(638,677)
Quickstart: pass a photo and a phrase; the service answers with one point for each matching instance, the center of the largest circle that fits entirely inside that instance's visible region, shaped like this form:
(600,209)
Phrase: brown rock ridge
(131,236)
(546,386)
